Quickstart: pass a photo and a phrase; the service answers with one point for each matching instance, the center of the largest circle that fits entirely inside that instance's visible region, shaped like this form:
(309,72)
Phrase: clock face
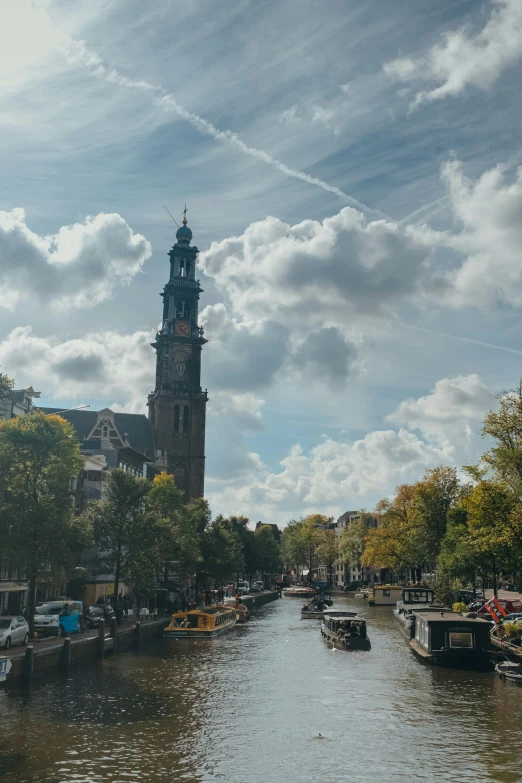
(183,328)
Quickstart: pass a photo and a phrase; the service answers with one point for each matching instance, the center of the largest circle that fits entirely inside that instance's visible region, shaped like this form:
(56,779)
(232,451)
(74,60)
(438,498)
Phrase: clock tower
(177,405)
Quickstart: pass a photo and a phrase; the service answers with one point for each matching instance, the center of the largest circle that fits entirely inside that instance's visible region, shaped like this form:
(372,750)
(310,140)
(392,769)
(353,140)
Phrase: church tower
(177,405)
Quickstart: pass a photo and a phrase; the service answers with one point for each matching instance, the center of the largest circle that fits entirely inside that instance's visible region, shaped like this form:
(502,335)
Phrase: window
(386,593)
(187,266)
(186,311)
(176,418)
(105,431)
(179,309)
(185,419)
(460,639)
(181,267)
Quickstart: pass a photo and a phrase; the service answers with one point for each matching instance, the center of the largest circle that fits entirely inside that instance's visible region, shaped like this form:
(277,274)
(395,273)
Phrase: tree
(124,534)
(399,541)
(504,460)
(267,551)
(179,526)
(328,550)
(352,541)
(39,457)
(300,540)
(6,386)
(221,550)
(435,495)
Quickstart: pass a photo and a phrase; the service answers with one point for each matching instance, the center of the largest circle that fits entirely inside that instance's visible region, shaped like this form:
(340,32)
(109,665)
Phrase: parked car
(243,587)
(58,618)
(93,614)
(514,617)
(13,630)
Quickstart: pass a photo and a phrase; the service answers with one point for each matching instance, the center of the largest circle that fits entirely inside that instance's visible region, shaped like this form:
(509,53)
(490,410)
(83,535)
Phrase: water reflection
(246,708)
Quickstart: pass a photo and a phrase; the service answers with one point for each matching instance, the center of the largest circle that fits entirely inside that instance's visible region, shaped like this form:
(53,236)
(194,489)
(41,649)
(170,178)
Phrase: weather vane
(185,213)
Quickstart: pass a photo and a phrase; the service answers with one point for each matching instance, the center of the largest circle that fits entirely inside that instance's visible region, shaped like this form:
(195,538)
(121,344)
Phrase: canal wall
(59,655)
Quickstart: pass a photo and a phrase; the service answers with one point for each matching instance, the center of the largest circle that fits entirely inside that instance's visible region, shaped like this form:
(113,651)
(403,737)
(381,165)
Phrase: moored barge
(446,638)
(204,623)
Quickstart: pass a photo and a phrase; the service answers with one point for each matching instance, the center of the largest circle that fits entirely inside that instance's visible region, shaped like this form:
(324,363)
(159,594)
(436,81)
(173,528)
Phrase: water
(246,708)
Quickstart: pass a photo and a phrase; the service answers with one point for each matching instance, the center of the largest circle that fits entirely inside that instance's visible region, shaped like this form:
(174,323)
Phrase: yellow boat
(203,623)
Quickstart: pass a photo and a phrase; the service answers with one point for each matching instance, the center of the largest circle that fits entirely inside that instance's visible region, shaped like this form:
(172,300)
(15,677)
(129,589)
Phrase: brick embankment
(47,655)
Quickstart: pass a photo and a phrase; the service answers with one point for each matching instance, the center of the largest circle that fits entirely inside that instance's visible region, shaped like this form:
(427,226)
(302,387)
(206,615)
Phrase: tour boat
(509,671)
(204,623)
(299,592)
(447,638)
(345,630)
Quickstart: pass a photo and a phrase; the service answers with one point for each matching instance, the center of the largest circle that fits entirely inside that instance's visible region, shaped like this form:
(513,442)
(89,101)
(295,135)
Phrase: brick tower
(177,405)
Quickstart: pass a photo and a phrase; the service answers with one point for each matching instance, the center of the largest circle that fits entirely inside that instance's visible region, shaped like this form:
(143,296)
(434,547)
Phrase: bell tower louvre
(177,406)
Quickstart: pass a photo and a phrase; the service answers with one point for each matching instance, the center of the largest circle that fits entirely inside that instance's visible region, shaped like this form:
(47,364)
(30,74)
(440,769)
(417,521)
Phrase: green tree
(221,550)
(39,459)
(352,541)
(434,496)
(300,540)
(124,534)
(179,526)
(267,551)
(328,551)
(504,460)
(6,386)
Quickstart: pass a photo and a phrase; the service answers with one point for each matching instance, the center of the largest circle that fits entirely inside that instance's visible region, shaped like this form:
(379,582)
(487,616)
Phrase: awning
(12,587)
(305,572)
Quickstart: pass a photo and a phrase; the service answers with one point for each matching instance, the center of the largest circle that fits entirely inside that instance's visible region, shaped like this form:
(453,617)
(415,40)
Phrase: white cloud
(77,267)
(27,34)
(450,415)
(489,211)
(110,365)
(465,58)
(335,475)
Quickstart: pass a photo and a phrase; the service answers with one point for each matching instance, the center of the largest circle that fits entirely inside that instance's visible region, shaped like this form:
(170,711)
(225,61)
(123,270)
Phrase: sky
(353,177)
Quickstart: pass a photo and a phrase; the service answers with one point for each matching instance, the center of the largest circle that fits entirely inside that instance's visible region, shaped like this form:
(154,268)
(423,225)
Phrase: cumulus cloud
(110,365)
(315,272)
(451,414)
(326,355)
(79,266)
(489,211)
(466,58)
(335,475)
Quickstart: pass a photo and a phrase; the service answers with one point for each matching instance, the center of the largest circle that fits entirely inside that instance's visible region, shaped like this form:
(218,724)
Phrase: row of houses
(107,440)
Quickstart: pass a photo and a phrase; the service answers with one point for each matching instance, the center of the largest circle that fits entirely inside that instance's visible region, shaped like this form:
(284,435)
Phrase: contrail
(460,338)
(77,53)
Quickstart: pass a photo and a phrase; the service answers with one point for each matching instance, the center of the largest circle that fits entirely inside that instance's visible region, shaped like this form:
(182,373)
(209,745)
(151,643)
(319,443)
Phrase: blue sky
(351,173)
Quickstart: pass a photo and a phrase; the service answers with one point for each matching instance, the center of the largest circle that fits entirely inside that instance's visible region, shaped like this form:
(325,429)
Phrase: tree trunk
(31,608)
(117,580)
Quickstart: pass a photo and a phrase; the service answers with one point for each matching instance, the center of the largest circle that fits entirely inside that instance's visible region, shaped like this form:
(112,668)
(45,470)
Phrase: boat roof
(207,610)
(448,617)
(340,613)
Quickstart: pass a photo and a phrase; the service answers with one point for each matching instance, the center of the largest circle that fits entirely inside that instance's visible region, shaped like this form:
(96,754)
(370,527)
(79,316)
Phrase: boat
(507,670)
(299,592)
(204,623)
(406,619)
(316,607)
(345,630)
(447,638)
(361,594)
(241,611)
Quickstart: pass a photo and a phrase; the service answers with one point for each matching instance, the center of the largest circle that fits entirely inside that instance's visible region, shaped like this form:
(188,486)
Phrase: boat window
(460,639)
(386,593)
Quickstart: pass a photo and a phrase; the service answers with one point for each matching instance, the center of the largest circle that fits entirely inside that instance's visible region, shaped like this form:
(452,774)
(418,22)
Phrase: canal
(247,708)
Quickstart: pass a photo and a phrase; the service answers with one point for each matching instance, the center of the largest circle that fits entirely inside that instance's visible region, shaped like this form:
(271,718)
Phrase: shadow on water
(249,707)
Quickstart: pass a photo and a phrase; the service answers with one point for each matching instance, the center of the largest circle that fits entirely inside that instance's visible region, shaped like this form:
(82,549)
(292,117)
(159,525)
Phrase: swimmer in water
(319,736)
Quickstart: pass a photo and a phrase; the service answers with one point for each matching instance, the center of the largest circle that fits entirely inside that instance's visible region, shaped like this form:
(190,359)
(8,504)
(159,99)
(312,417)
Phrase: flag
(495,609)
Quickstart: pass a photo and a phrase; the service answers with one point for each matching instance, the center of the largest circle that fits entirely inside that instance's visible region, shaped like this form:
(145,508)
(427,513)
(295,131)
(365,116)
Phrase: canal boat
(385,595)
(509,671)
(204,623)
(345,630)
(299,592)
(446,638)
(406,619)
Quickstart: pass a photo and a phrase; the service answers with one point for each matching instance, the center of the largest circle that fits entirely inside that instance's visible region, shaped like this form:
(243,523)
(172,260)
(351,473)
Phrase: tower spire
(184,221)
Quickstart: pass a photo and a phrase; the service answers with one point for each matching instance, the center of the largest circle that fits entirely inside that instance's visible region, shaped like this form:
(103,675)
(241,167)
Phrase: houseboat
(447,638)
(299,592)
(385,595)
(345,630)
(420,598)
(204,623)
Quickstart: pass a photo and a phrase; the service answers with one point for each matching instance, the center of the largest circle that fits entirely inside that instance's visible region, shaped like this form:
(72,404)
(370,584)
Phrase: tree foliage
(39,459)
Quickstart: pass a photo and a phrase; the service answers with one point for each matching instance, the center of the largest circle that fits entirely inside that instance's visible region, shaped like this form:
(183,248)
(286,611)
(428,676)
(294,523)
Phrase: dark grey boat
(446,638)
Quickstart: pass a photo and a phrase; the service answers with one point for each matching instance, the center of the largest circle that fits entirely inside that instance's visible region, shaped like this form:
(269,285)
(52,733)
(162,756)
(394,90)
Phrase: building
(177,406)
(19,403)
(353,572)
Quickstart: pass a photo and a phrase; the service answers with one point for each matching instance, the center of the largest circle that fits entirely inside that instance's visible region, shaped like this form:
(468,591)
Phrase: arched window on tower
(186,311)
(182,267)
(187,267)
(179,309)
(185,419)
(176,418)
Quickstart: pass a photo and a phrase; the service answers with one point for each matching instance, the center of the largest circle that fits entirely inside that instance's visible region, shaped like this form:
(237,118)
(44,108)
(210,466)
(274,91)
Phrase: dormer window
(105,432)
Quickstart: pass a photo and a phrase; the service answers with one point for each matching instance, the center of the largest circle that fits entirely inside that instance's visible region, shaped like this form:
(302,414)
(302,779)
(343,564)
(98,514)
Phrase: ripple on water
(247,707)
